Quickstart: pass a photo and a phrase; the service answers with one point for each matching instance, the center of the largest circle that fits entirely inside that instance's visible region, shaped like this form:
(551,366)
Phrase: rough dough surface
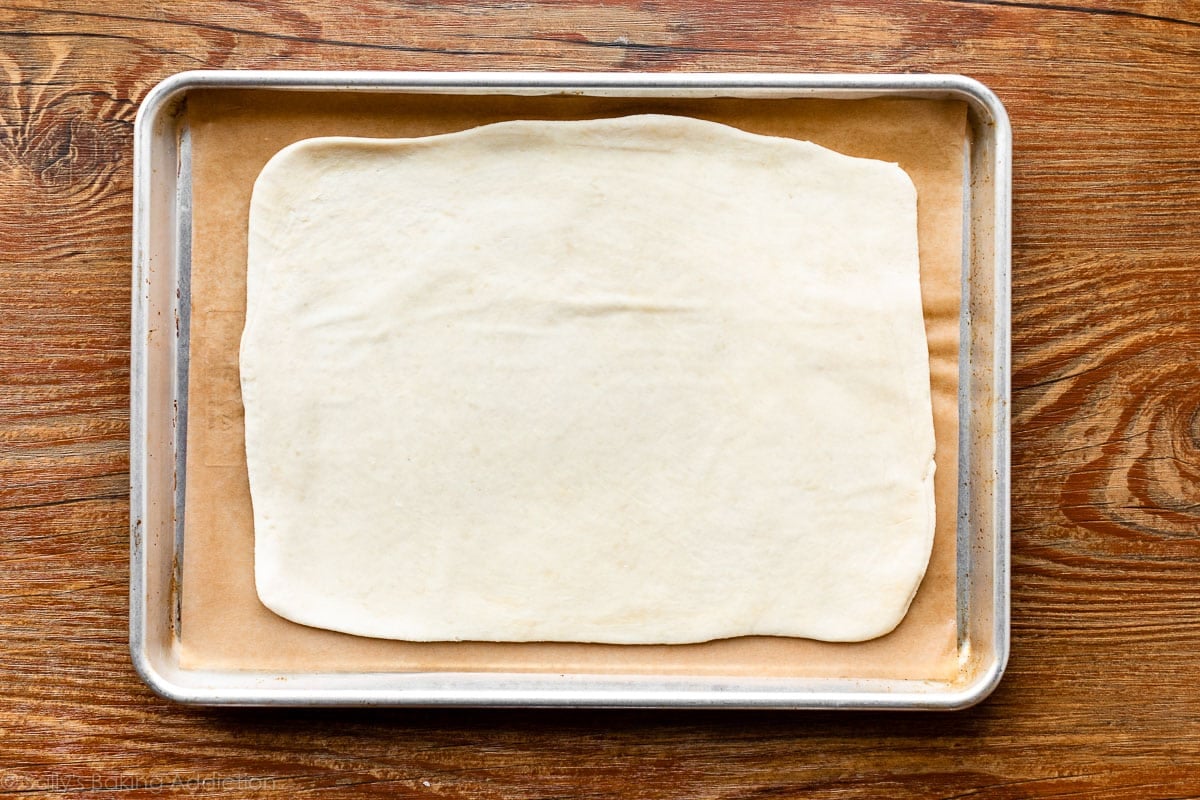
(638,380)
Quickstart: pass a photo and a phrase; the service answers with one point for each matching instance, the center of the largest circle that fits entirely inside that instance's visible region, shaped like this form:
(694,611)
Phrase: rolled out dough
(638,380)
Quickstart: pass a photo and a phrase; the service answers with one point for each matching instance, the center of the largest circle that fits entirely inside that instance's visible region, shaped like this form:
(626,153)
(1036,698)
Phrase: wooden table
(1102,694)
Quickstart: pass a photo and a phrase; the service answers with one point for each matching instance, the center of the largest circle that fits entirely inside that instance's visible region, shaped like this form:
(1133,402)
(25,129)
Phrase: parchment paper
(234,133)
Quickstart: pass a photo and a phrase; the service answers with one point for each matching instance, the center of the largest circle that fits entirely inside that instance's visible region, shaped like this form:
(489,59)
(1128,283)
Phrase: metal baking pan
(161,263)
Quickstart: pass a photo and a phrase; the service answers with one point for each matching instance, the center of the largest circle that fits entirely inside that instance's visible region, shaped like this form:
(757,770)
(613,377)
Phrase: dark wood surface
(1102,695)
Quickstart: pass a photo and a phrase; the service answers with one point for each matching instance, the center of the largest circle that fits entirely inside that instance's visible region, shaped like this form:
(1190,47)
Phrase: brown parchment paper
(234,133)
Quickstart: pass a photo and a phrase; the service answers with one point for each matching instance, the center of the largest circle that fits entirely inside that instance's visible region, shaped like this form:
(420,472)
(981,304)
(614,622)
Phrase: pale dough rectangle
(234,134)
(636,380)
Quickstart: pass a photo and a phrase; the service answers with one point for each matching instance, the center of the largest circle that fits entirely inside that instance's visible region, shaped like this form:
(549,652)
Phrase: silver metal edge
(617,698)
(1002,372)
(183,336)
(704,84)
(988,105)
(149,114)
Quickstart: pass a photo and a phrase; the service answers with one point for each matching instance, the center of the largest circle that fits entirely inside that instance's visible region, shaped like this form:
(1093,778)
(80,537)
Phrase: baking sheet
(234,133)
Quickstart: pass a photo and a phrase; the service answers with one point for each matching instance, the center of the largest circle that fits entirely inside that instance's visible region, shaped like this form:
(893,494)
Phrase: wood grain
(1101,696)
